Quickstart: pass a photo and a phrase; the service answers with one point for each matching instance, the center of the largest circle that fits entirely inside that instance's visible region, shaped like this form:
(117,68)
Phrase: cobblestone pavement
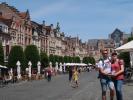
(60,89)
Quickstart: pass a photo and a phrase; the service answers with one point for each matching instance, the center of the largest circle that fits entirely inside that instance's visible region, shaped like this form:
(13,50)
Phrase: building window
(1,28)
(0,13)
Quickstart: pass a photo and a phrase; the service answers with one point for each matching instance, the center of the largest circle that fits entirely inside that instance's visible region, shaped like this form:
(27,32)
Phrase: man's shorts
(106,82)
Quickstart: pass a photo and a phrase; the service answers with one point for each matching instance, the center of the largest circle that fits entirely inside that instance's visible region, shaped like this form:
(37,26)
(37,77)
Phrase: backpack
(101,59)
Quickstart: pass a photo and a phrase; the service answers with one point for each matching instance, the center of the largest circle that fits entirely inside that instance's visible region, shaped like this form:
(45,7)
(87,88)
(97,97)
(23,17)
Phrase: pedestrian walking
(118,75)
(70,73)
(49,74)
(104,66)
(75,77)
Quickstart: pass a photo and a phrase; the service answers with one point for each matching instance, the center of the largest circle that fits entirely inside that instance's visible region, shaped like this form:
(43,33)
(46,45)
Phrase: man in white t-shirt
(104,66)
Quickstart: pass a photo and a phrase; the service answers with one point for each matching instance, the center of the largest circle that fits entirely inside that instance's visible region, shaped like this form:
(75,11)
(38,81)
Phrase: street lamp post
(50,64)
(29,71)
(56,68)
(38,69)
(18,70)
(64,67)
(60,67)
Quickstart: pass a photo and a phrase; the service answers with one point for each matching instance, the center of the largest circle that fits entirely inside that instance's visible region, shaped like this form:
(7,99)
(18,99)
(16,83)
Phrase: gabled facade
(20,27)
(5,37)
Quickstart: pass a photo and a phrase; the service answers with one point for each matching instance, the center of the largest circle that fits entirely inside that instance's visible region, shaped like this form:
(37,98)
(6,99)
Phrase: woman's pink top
(117,67)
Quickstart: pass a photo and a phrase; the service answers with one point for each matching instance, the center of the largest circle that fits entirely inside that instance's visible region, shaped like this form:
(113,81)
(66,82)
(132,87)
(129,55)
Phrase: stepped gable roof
(10,7)
(24,15)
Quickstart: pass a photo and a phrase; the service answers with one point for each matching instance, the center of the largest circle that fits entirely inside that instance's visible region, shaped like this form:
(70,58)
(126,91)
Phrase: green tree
(126,57)
(52,59)
(73,59)
(56,58)
(61,59)
(92,60)
(130,38)
(85,60)
(32,54)
(1,55)
(70,59)
(44,59)
(16,54)
(66,59)
(77,59)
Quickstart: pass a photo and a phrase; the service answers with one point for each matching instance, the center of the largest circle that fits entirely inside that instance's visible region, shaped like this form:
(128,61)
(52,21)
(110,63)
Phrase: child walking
(75,77)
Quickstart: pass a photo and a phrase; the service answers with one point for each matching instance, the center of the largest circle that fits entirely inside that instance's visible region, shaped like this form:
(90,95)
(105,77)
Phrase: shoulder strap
(101,59)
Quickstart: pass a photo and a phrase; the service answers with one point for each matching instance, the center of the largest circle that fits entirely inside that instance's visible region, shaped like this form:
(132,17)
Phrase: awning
(126,47)
(76,64)
(3,67)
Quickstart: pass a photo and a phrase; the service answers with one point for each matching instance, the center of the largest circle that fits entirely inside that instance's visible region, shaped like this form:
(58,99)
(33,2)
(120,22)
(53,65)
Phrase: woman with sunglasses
(117,75)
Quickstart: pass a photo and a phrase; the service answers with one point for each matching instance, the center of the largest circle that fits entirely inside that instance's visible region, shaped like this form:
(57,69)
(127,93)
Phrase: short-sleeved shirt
(117,67)
(105,64)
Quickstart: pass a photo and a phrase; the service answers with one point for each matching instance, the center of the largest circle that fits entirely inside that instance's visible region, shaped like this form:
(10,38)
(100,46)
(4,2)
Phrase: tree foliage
(76,59)
(126,57)
(61,59)
(44,59)
(130,38)
(66,59)
(32,54)
(87,60)
(16,54)
(52,59)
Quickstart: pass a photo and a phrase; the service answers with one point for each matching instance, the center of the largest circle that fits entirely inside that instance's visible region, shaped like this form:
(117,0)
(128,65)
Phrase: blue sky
(88,19)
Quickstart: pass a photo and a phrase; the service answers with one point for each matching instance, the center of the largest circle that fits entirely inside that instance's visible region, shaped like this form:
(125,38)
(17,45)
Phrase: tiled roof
(48,29)
(8,22)
(22,14)
(10,7)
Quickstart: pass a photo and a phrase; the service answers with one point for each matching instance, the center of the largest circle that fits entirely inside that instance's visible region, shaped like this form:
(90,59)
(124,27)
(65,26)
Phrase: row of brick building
(115,39)
(17,28)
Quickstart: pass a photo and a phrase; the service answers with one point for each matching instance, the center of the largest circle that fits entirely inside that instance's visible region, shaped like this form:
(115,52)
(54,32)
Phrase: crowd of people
(111,75)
